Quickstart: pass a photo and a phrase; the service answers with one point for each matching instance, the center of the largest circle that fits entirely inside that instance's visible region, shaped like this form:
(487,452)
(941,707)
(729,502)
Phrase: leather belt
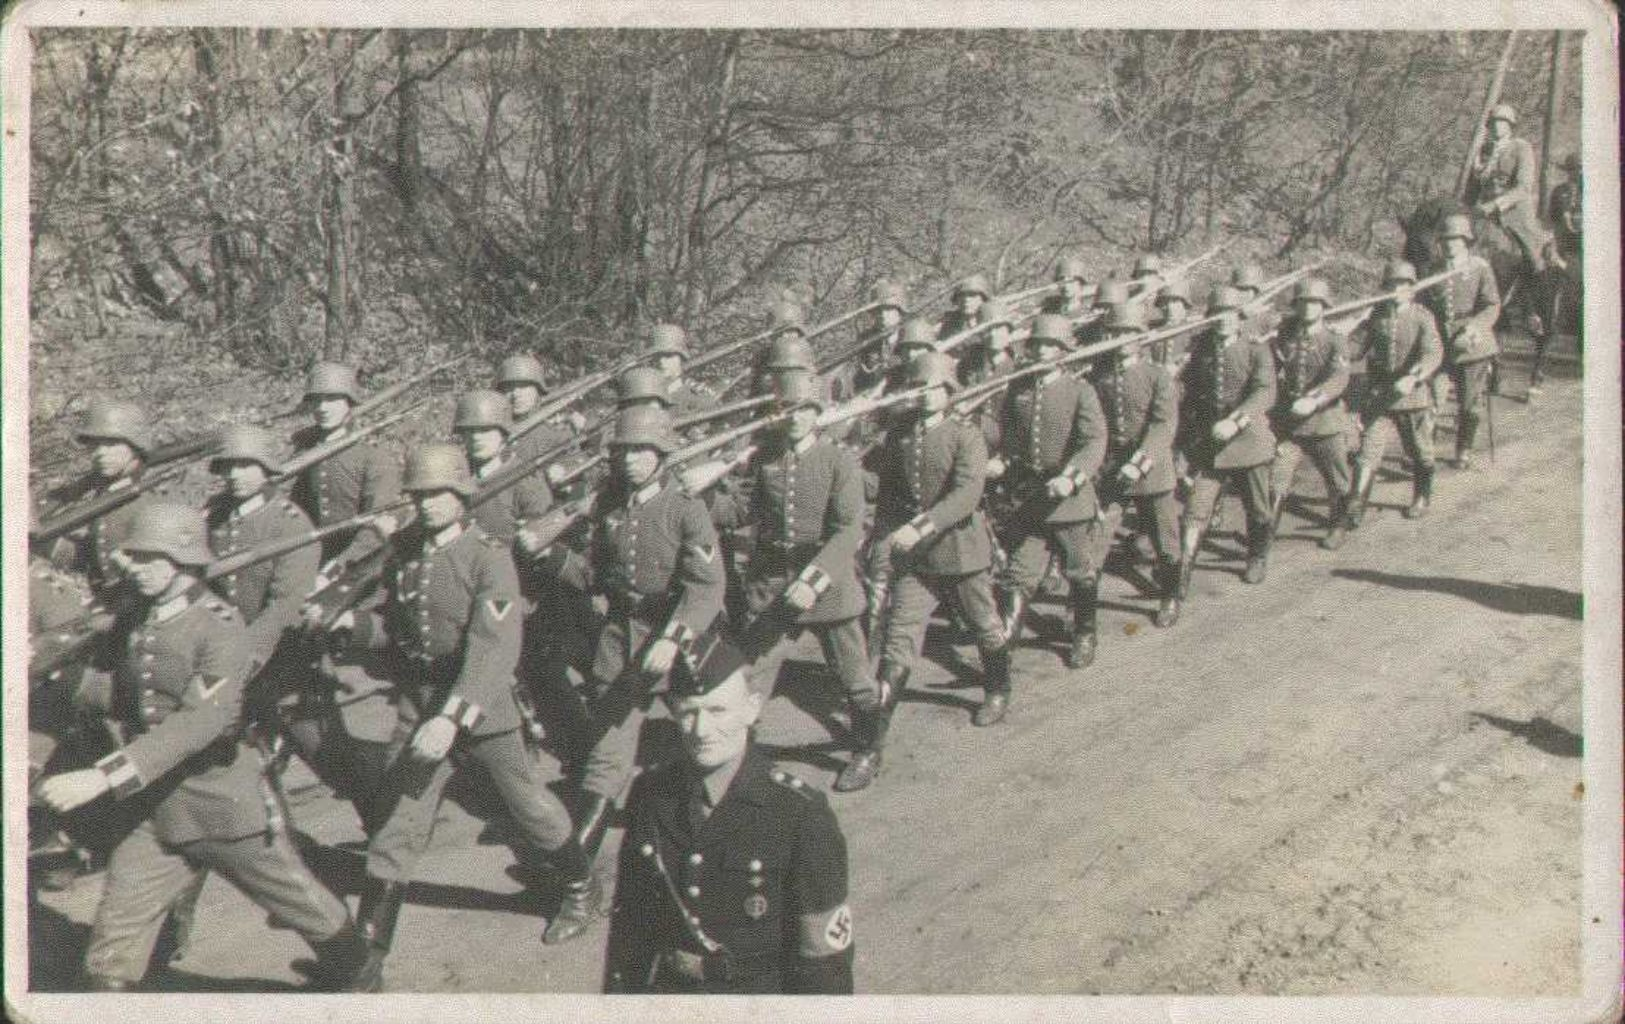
(712,967)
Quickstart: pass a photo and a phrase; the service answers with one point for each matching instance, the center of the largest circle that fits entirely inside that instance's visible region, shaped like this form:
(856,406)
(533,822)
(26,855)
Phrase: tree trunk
(715,154)
(340,224)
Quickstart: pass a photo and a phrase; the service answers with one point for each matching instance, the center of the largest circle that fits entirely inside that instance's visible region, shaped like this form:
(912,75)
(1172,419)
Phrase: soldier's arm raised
(210,708)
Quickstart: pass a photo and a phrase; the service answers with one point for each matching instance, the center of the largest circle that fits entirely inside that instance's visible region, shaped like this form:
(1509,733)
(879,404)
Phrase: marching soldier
(884,324)
(1069,301)
(787,324)
(1229,389)
(119,436)
(807,509)
(668,345)
(1401,349)
(1309,417)
(1466,308)
(931,469)
(652,554)
(483,423)
(1138,399)
(915,339)
(523,382)
(172,692)
(362,478)
(990,354)
(449,619)
(1248,282)
(1051,439)
(969,295)
(1174,299)
(733,874)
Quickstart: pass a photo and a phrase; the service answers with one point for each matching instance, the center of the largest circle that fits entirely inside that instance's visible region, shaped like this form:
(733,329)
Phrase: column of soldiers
(460,648)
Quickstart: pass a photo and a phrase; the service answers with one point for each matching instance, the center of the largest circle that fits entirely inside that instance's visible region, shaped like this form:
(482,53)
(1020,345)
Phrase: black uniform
(749,900)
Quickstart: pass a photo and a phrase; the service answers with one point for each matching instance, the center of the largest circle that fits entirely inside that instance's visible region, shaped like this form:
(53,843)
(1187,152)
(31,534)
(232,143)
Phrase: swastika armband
(825,933)
(122,774)
(464,713)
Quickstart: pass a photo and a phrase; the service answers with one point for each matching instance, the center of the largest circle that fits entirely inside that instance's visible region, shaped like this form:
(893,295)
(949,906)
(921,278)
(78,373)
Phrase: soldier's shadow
(813,690)
(814,755)
(173,979)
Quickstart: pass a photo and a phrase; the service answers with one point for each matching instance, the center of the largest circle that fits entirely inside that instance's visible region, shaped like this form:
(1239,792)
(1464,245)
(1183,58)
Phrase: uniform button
(146,675)
(755,881)
(693,890)
(694,920)
(756,865)
(696,858)
(647,850)
(149,692)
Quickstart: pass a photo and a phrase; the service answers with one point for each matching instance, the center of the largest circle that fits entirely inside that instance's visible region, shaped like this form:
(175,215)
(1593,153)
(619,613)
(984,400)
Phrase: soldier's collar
(433,542)
(337,432)
(801,446)
(119,483)
(931,419)
(647,491)
(167,608)
(487,469)
(249,505)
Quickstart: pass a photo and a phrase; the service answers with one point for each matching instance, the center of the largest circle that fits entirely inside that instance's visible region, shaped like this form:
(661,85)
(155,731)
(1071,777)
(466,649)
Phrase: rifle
(66,522)
(390,393)
(569,395)
(723,351)
(1179,270)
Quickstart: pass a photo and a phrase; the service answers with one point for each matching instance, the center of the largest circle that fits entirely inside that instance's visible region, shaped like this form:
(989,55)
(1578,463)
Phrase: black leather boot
(996,670)
(869,726)
(377,916)
(1421,494)
(1169,578)
(1357,502)
(339,960)
(1259,538)
(1338,531)
(1085,608)
(583,892)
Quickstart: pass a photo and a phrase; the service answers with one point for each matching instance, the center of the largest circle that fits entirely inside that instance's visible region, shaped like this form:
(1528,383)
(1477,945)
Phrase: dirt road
(1360,777)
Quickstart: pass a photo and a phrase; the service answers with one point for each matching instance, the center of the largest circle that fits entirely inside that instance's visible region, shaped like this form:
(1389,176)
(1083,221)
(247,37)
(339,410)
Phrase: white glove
(995,468)
(1405,385)
(1304,406)
(1225,429)
(1061,487)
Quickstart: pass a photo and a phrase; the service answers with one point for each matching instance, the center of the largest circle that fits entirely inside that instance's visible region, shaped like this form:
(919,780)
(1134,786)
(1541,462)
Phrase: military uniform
(1228,379)
(1465,308)
(1141,414)
(1507,175)
(91,550)
(268,594)
(653,555)
(450,619)
(751,899)
(174,698)
(361,478)
(1398,341)
(931,470)
(1311,364)
(1052,426)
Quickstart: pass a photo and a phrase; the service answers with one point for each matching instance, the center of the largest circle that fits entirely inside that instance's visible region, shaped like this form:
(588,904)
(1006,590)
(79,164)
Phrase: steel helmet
(110,419)
(794,389)
(1051,329)
(522,369)
(1249,275)
(789,352)
(248,444)
(641,384)
(176,531)
(1175,289)
(787,316)
(332,379)
(1147,265)
(1312,289)
(666,339)
(483,410)
(932,368)
(1457,225)
(437,467)
(976,284)
(993,311)
(1397,272)
(917,333)
(1503,112)
(1224,299)
(644,426)
(886,292)
(1111,292)
(1125,316)
(1068,268)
